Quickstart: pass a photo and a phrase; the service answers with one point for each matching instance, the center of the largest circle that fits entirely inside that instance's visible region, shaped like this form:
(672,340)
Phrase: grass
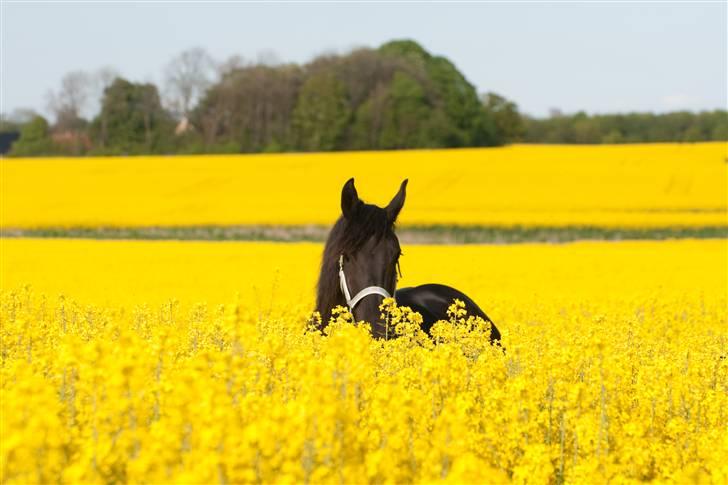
(435,234)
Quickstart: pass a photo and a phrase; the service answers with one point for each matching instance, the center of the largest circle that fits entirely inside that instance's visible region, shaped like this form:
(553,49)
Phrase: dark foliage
(681,126)
(397,96)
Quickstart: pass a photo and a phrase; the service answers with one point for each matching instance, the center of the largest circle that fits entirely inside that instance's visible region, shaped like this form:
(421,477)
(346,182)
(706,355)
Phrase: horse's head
(362,255)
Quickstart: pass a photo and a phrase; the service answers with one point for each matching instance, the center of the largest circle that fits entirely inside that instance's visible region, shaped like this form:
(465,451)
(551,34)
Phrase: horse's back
(432,301)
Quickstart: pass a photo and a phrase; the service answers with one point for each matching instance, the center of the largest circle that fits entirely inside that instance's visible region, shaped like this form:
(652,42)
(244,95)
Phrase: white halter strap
(369,290)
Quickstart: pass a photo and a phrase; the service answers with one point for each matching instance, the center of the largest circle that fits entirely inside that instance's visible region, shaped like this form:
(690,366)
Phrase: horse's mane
(346,237)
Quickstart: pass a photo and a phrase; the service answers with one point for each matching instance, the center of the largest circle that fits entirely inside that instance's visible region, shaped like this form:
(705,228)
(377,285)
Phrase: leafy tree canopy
(132,119)
(34,139)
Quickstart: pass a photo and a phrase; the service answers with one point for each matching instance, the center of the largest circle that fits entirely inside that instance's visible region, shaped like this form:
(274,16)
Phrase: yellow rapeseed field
(150,369)
(651,185)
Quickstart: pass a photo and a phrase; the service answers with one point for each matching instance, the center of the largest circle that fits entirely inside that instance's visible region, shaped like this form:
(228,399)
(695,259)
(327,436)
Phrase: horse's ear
(397,203)
(349,199)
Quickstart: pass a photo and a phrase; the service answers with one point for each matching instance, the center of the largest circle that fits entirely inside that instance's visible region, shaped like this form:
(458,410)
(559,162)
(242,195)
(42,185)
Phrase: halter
(369,290)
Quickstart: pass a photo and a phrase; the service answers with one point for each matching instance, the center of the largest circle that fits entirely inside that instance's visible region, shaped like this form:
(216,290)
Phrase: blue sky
(604,57)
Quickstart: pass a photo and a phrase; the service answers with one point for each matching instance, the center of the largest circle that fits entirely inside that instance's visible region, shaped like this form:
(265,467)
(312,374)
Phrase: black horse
(361,262)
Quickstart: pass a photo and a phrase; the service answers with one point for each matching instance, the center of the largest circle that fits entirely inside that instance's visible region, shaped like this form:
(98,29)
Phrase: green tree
(612,137)
(397,96)
(406,123)
(250,109)
(719,130)
(398,115)
(134,119)
(34,139)
(463,121)
(322,113)
(694,133)
(629,128)
(366,129)
(508,122)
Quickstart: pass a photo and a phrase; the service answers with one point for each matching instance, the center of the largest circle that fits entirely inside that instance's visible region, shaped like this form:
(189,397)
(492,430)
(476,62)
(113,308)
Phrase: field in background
(267,275)
(190,361)
(615,367)
(635,186)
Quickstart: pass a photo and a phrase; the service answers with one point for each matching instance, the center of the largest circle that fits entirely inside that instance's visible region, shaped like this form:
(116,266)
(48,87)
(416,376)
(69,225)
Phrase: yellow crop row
(127,273)
(615,368)
(647,185)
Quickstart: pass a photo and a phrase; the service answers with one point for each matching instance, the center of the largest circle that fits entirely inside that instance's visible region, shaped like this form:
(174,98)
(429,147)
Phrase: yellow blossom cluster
(649,185)
(615,368)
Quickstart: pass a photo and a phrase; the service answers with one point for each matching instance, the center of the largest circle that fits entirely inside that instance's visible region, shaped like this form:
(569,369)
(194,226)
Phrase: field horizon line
(414,234)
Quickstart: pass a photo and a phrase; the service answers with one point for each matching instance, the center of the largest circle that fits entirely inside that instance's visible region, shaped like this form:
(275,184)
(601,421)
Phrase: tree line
(681,126)
(394,97)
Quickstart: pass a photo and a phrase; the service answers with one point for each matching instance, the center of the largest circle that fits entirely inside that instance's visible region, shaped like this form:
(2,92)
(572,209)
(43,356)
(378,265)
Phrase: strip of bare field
(409,234)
